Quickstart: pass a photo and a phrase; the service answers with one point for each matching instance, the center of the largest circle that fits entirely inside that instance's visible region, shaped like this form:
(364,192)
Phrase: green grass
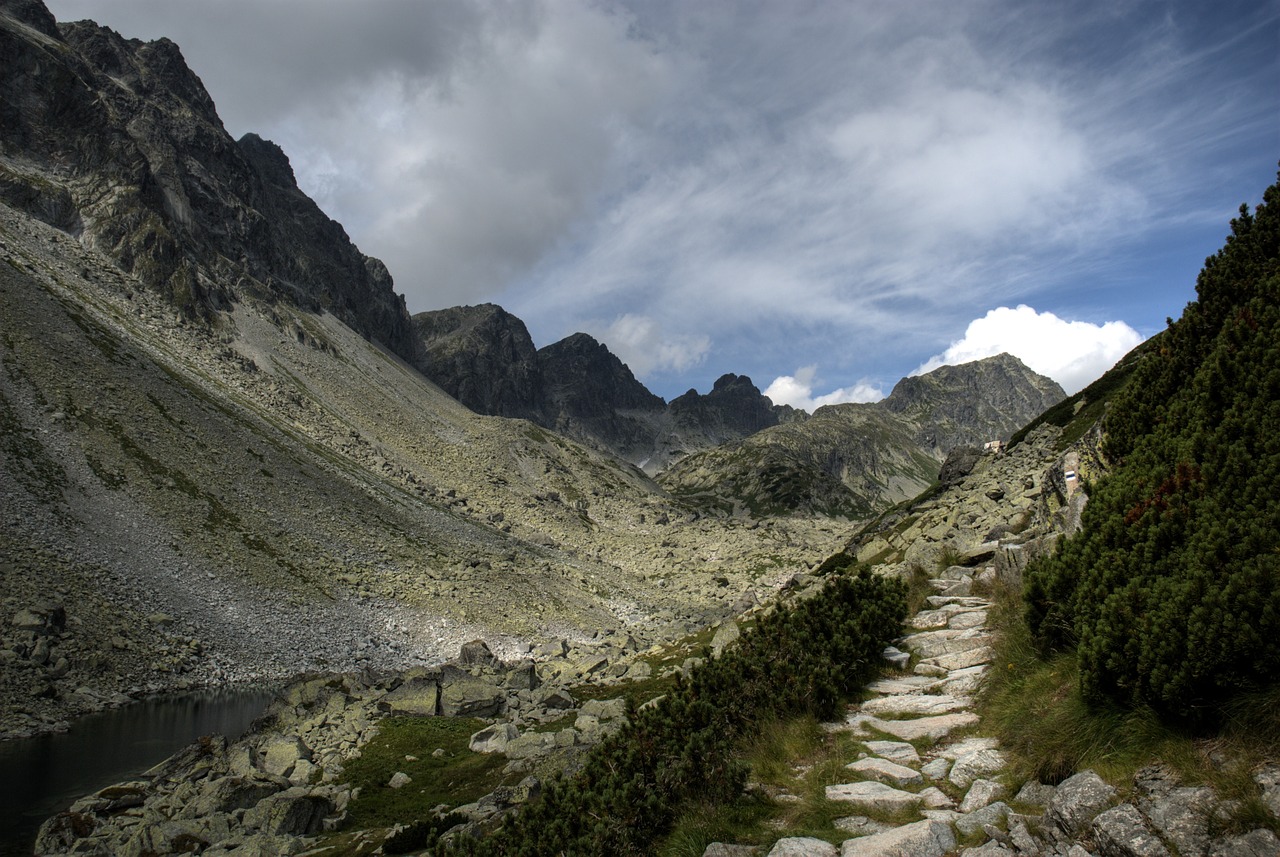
(1033,704)
(456,777)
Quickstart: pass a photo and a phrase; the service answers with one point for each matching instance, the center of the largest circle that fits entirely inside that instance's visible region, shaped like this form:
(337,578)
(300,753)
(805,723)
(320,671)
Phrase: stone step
(921,839)
(895,751)
(915,704)
(873,796)
(884,771)
(956,661)
(909,684)
(935,728)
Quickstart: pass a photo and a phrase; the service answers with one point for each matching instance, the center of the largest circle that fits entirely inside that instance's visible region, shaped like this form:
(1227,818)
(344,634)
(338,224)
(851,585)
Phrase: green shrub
(1171,593)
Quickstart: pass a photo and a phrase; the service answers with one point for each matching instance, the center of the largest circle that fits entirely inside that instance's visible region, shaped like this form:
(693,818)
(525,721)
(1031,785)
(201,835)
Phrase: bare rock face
(118,142)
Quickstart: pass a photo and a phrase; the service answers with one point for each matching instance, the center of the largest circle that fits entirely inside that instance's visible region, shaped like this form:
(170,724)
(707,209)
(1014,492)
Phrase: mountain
(854,459)
(117,142)
(217,458)
(483,356)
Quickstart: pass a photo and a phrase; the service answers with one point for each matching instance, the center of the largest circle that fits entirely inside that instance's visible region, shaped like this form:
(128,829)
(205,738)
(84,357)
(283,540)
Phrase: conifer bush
(1170,595)
(806,658)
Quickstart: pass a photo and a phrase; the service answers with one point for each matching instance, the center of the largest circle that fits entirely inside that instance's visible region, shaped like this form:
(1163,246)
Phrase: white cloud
(797,391)
(1073,353)
(640,343)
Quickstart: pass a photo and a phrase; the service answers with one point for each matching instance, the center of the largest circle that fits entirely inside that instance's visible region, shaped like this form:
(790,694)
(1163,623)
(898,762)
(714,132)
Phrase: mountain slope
(235,481)
(855,459)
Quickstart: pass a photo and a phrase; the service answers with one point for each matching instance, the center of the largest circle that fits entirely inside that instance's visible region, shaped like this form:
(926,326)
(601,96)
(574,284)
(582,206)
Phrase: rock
(523,676)
(471,698)
(959,660)
(552,649)
(981,793)
(528,745)
(1268,779)
(721,849)
(973,765)
(897,658)
(279,754)
(399,780)
(1035,793)
(1122,832)
(493,739)
(972,822)
(556,699)
(292,812)
(860,825)
(1077,800)
(726,632)
(991,848)
(935,798)
(229,794)
(605,709)
(937,769)
(419,697)
(803,846)
(921,839)
(934,728)
(476,653)
(914,705)
(1257,843)
(1182,816)
(873,796)
(885,771)
(895,751)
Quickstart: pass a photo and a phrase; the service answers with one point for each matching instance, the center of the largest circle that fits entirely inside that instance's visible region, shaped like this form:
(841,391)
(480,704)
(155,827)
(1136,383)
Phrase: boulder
(1122,832)
(885,771)
(803,846)
(992,814)
(980,794)
(922,839)
(471,698)
(726,633)
(971,766)
(935,728)
(874,796)
(722,849)
(895,751)
(419,697)
(399,780)
(279,754)
(909,705)
(476,653)
(1077,801)
(1257,843)
(293,812)
(493,739)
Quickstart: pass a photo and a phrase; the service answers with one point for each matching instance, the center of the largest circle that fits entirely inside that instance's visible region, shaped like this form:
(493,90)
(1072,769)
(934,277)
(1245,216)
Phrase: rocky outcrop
(117,142)
(483,357)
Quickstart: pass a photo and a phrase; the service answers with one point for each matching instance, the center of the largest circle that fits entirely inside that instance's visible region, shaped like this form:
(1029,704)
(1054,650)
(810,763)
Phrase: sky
(825,196)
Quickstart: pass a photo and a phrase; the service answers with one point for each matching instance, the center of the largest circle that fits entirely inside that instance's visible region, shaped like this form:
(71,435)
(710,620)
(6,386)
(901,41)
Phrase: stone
(860,825)
(907,684)
(981,793)
(552,649)
(991,848)
(972,822)
(1256,843)
(927,620)
(963,682)
(399,780)
(1122,832)
(523,676)
(960,660)
(605,709)
(473,698)
(965,621)
(1034,792)
(932,644)
(721,849)
(1077,800)
(1268,779)
(493,739)
(418,697)
(914,705)
(971,766)
(873,796)
(803,846)
(556,699)
(1182,816)
(476,653)
(966,746)
(726,633)
(922,839)
(935,798)
(937,769)
(529,744)
(934,728)
(895,751)
(292,812)
(279,754)
(885,771)
(897,658)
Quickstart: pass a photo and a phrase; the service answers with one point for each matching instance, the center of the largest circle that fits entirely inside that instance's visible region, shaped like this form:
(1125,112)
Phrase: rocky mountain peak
(484,357)
(33,14)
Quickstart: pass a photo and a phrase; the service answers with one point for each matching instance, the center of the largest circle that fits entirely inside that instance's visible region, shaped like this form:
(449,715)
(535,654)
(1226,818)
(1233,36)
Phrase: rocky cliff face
(117,142)
(854,459)
(483,357)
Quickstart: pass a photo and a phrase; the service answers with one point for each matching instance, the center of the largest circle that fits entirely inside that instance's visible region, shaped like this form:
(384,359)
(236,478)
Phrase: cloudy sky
(825,196)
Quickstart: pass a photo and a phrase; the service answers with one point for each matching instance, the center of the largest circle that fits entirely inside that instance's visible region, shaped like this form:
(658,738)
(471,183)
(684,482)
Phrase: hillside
(247,478)
(856,459)
(484,357)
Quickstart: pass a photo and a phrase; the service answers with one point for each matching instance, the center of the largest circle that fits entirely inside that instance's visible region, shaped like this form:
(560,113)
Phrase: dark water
(43,776)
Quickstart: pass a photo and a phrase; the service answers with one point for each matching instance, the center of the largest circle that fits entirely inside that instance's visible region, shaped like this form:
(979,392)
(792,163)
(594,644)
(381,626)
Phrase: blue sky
(824,196)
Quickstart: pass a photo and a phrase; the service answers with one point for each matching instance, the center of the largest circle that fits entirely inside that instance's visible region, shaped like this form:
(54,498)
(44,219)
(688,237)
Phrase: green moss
(456,777)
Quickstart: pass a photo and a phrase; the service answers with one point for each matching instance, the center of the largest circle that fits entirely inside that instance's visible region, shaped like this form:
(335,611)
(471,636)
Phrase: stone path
(927,767)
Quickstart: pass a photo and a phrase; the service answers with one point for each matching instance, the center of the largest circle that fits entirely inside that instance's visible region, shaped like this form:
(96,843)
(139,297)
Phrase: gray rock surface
(1077,800)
